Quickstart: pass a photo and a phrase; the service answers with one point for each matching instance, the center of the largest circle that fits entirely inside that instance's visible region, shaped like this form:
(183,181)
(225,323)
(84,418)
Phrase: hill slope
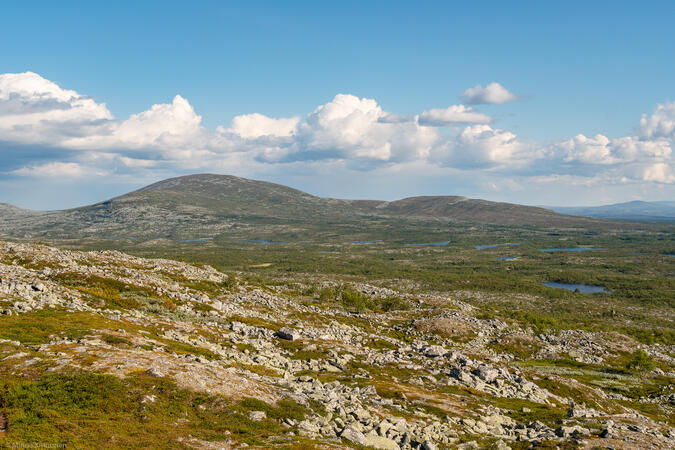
(211,204)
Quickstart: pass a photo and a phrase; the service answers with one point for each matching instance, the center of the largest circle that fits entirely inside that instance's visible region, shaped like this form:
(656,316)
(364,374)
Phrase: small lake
(573,249)
(672,255)
(366,242)
(583,288)
(196,240)
(483,247)
(506,258)
(433,244)
(265,242)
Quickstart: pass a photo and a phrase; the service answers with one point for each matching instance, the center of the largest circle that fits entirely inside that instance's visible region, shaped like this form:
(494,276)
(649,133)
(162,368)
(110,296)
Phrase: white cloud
(661,124)
(36,110)
(163,126)
(595,150)
(492,93)
(452,115)
(251,126)
(344,134)
(482,146)
(349,127)
(659,173)
(602,150)
(66,170)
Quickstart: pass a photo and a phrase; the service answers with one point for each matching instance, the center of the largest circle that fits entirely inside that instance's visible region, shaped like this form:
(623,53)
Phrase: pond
(434,244)
(583,288)
(573,249)
(196,240)
(366,242)
(506,258)
(265,242)
(483,247)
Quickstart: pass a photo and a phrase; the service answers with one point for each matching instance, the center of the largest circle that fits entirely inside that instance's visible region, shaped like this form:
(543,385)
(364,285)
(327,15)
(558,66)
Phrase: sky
(547,103)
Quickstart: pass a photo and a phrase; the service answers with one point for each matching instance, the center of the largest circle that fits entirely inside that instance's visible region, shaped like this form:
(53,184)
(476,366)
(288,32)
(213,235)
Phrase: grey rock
(434,351)
(257,416)
(352,434)
(573,431)
(428,445)
(290,334)
(156,372)
(308,428)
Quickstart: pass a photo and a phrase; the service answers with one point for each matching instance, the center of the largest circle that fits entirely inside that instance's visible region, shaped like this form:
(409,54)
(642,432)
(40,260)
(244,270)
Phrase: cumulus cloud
(36,110)
(164,126)
(659,173)
(492,93)
(251,126)
(452,115)
(661,124)
(349,127)
(63,134)
(481,146)
(602,150)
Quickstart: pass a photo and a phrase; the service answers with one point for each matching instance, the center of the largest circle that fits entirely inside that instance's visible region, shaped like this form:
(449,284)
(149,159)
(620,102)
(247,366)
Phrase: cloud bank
(54,133)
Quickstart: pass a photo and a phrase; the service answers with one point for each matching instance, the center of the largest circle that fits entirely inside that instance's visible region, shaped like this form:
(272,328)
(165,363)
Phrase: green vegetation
(352,300)
(39,327)
(639,360)
(632,266)
(113,293)
(82,409)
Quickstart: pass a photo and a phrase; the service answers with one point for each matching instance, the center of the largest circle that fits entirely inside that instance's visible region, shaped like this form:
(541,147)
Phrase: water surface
(435,244)
(366,242)
(265,242)
(483,247)
(506,258)
(572,249)
(583,288)
(196,240)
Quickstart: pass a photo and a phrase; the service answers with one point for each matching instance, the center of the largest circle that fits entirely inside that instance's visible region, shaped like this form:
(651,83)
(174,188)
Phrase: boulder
(486,373)
(257,416)
(352,434)
(290,334)
(307,428)
(380,442)
(573,431)
(434,351)
(428,445)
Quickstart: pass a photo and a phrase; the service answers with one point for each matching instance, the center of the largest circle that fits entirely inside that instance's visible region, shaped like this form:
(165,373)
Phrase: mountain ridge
(213,203)
(636,210)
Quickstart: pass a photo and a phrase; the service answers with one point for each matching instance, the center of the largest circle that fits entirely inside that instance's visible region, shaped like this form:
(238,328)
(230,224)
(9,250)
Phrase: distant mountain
(208,204)
(474,210)
(638,211)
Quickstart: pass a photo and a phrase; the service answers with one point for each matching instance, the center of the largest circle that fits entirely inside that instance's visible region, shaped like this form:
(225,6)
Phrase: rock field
(434,376)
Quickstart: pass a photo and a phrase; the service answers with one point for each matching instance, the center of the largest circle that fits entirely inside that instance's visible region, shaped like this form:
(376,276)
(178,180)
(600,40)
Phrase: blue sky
(571,69)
